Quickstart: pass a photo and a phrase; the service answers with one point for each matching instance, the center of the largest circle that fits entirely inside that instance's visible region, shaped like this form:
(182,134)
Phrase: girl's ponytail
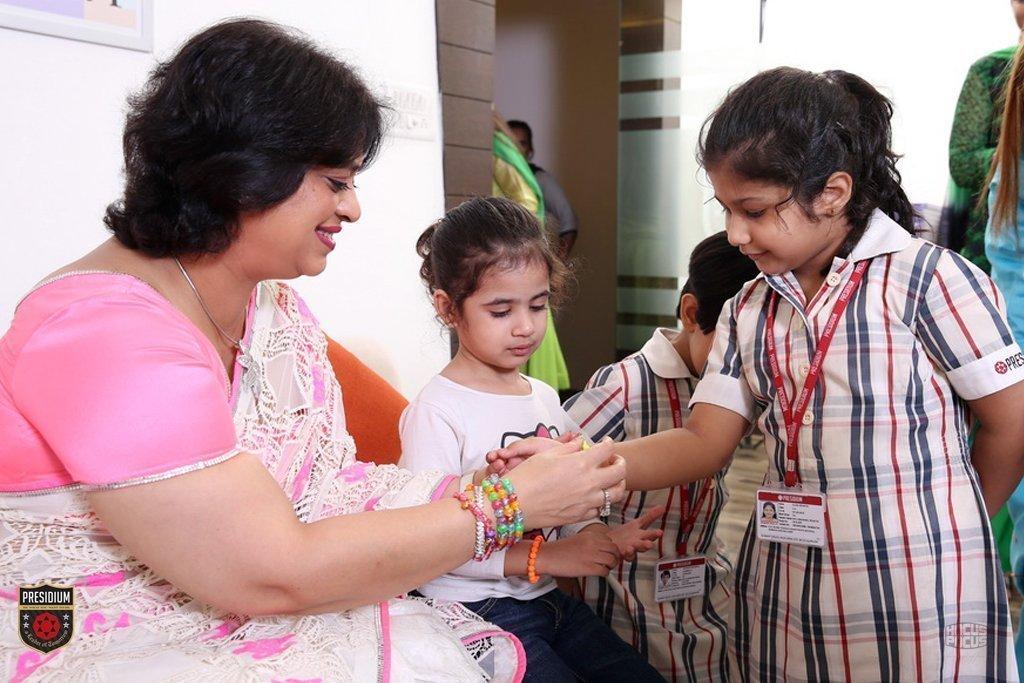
(867,129)
(484,232)
(424,246)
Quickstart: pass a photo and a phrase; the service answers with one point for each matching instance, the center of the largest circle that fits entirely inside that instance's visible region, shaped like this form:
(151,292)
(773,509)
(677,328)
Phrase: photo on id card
(679,578)
(791,516)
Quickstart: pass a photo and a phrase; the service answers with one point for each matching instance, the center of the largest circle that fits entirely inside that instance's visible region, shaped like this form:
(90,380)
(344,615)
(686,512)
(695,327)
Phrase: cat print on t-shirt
(540,430)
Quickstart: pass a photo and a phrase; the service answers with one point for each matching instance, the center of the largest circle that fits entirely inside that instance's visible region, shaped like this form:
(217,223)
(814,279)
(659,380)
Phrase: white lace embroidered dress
(132,625)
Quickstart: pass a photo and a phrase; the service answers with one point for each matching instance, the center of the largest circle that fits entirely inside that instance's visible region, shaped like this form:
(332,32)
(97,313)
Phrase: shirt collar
(663,358)
(883,236)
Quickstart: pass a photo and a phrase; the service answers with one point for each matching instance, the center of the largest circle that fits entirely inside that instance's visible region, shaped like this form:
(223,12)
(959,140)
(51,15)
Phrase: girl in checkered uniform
(862,353)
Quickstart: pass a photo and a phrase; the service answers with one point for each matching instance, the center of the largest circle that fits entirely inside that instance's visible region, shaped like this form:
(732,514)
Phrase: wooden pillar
(465,59)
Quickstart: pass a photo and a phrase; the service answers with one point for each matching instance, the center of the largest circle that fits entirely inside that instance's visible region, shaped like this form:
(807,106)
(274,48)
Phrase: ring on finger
(606,509)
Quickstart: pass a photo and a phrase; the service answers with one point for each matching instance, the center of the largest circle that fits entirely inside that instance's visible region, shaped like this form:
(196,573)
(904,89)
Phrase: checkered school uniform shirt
(684,639)
(908,585)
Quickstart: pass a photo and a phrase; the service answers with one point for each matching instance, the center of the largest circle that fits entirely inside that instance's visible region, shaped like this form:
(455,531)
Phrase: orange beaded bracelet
(531,563)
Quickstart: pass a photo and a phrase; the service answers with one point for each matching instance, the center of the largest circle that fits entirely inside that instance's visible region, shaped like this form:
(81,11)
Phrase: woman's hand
(634,537)
(561,484)
(592,553)
(259,558)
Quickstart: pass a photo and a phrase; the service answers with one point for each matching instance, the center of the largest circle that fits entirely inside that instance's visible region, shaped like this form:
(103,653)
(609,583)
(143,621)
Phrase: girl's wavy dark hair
(231,124)
(480,234)
(796,128)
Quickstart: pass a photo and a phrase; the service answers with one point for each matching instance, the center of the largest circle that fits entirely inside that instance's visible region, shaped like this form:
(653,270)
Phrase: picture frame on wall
(120,23)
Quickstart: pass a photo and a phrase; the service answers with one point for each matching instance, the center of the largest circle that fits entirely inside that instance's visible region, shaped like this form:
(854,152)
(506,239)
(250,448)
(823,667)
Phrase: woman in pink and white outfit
(173,440)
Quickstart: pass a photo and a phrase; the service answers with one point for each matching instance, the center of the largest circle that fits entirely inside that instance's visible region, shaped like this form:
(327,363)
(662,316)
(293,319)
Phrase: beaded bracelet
(508,526)
(531,563)
(481,547)
(490,538)
(508,516)
(517,516)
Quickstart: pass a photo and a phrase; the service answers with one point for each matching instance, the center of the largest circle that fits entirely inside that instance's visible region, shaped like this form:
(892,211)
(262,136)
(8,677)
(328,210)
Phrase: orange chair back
(372,407)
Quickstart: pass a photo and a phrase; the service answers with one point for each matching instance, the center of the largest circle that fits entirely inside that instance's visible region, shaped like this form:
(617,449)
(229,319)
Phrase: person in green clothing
(512,178)
(972,143)
(556,204)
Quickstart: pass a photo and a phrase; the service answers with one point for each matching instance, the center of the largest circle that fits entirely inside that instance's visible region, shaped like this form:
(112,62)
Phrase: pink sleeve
(122,389)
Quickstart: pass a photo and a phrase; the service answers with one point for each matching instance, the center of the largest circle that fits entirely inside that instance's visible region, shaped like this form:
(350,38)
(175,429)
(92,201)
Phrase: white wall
(60,164)
(916,53)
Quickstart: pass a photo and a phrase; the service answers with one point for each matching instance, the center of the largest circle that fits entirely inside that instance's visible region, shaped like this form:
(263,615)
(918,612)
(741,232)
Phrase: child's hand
(503,460)
(634,537)
(567,437)
(585,554)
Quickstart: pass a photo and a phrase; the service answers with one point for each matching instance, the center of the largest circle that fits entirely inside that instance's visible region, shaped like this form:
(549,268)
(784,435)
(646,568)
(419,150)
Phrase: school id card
(682,577)
(791,516)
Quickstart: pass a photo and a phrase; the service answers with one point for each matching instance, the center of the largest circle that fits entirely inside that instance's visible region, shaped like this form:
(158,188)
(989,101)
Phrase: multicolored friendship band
(507,530)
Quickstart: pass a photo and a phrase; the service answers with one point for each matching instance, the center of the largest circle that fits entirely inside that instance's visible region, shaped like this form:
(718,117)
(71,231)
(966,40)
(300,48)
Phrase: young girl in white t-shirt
(491,275)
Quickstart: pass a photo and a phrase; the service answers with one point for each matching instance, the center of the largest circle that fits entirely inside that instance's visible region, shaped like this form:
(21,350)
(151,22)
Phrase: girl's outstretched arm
(677,456)
(998,450)
(698,450)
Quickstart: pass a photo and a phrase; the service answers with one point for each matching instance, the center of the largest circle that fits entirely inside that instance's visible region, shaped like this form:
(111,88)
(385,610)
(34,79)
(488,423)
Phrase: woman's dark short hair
(229,125)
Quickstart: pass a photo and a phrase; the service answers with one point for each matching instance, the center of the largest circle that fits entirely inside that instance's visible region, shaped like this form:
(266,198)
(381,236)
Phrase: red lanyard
(687,514)
(793,415)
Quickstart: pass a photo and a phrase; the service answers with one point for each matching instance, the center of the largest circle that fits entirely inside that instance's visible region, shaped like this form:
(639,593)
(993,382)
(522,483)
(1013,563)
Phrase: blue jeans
(564,640)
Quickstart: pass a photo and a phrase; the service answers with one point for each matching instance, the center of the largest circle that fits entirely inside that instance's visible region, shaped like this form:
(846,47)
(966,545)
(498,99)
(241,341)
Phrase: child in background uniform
(491,274)
(861,352)
(649,392)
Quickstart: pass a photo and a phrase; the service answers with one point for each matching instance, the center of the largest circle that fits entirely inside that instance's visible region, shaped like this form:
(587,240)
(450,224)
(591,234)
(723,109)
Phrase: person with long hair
(972,143)
(1004,248)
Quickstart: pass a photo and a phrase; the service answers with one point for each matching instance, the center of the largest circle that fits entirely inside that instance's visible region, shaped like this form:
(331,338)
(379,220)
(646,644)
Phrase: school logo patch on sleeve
(46,616)
(1010,363)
